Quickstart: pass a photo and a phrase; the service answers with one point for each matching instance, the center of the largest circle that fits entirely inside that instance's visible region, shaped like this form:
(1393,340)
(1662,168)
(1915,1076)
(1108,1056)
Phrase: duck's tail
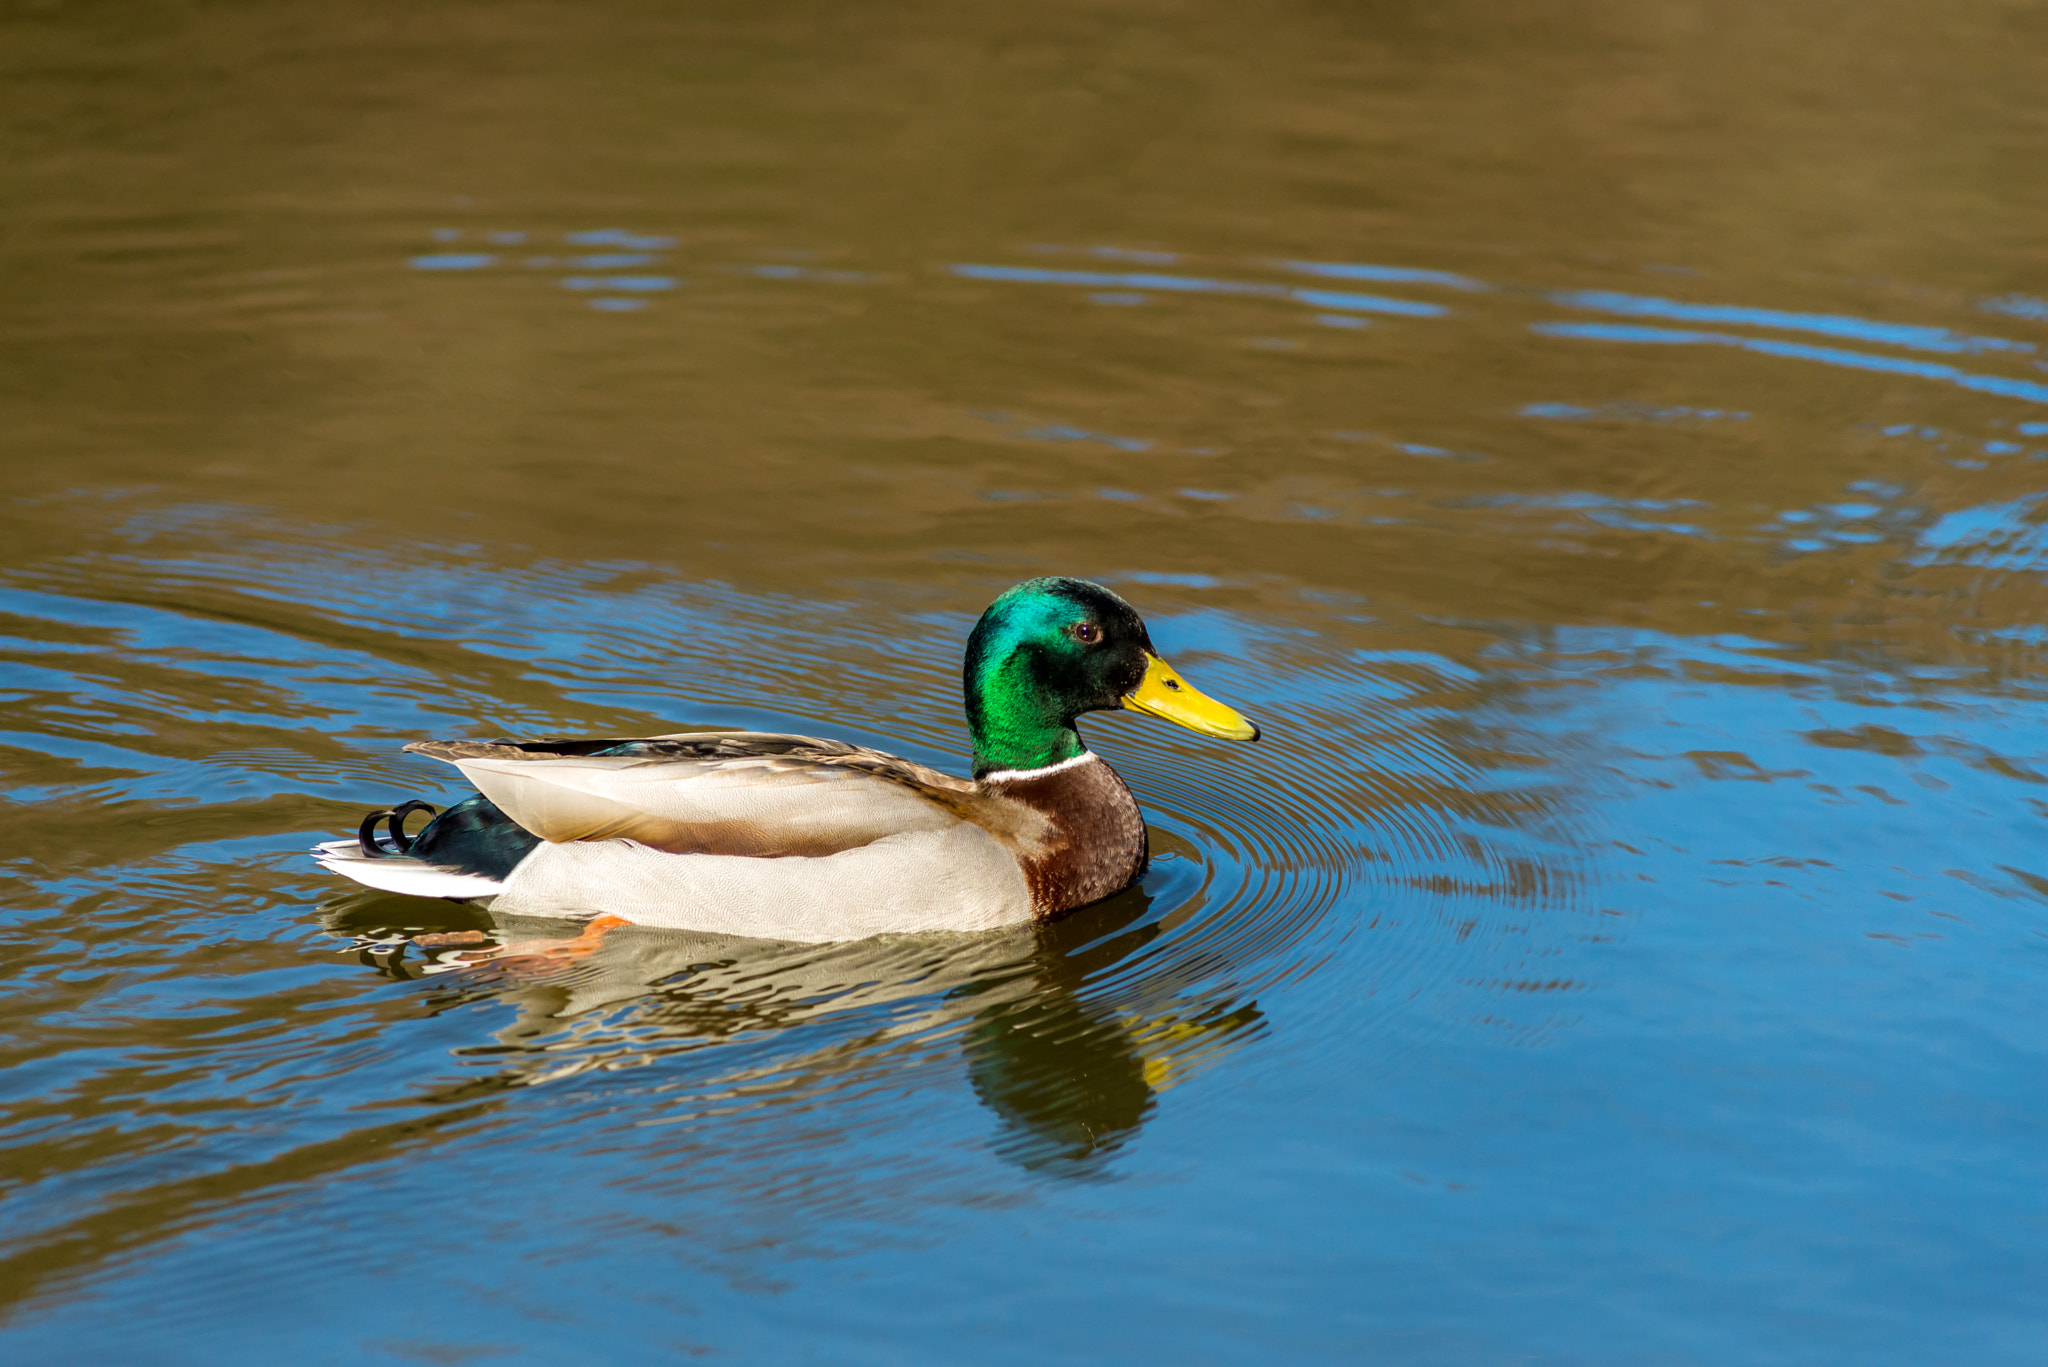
(465,852)
(402,873)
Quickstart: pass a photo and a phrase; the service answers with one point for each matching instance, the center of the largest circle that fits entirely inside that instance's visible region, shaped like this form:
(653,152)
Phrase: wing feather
(739,793)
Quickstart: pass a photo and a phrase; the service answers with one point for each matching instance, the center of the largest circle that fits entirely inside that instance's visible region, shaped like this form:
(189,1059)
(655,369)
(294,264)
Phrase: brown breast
(1096,844)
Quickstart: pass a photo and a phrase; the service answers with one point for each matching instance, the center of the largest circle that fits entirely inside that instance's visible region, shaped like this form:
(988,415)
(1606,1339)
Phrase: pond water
(1603,445)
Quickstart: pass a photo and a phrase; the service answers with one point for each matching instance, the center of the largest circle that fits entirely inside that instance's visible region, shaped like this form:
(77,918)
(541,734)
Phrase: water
(1603,448)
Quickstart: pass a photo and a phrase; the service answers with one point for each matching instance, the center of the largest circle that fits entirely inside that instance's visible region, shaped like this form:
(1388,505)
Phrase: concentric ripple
(1370,809)
(1267,857)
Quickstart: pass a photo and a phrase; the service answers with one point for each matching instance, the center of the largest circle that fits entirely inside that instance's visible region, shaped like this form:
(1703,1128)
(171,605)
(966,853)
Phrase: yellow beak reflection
(1162,693)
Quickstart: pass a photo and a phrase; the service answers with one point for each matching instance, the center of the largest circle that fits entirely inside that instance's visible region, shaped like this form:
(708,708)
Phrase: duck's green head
(1051,649)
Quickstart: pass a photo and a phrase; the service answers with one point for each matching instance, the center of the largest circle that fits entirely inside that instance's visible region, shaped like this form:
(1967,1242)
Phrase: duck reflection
(1073,1073)
(1068,1036)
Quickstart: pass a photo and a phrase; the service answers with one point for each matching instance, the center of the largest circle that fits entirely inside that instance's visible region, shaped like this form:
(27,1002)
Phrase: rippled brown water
(1603,445)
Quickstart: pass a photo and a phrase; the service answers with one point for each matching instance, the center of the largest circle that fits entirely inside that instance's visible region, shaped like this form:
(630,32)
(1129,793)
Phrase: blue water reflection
(1392,275)
(1184,284)
(2028,390)
(636,283)
(1367,303)
(1628,412)
(2017,306)
(612,261)
(619,237)
(1907,335)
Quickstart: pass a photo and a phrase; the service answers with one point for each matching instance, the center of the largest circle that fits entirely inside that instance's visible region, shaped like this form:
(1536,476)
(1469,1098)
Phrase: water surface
(1604,447)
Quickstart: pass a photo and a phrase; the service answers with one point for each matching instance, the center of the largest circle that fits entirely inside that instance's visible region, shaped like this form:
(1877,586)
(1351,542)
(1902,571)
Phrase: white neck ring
(1014,775)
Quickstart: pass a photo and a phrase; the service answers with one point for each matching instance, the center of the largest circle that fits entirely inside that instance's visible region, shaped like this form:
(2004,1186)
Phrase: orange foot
(541,955)
(594,931)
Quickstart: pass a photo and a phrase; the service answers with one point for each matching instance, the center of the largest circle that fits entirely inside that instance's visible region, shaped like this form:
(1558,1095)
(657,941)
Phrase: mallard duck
(796,838)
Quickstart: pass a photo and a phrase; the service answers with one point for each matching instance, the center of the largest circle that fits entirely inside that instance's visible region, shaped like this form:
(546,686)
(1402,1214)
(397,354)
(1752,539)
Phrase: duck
(799,838)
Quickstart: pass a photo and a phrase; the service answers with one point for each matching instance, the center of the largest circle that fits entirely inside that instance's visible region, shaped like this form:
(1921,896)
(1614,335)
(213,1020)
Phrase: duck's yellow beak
(1162,693)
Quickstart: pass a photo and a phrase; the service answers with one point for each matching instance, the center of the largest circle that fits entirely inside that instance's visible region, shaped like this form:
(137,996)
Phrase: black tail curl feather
(398,842)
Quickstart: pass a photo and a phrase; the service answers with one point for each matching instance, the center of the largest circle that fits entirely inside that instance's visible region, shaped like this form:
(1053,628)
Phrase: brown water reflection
(218,267)
(1607,440)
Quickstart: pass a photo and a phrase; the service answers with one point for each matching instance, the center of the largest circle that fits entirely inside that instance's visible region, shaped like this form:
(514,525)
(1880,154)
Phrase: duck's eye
(1087,633)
